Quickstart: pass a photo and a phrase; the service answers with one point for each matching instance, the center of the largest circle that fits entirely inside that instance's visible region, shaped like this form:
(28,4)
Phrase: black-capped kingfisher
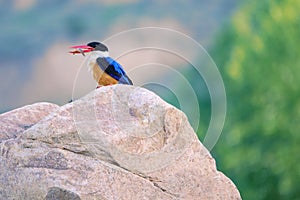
(105,70)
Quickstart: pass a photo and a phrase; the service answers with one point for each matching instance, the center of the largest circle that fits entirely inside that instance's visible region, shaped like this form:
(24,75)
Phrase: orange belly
(101,77)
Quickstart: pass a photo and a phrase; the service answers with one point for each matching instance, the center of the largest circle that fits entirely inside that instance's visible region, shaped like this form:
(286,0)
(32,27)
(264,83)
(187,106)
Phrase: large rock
(118,142)
(14,122)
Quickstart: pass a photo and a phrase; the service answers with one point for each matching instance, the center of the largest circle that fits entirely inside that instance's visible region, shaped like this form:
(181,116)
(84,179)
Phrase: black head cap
(98,46)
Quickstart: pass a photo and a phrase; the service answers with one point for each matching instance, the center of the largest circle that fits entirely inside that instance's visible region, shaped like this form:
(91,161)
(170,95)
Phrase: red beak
(81,49)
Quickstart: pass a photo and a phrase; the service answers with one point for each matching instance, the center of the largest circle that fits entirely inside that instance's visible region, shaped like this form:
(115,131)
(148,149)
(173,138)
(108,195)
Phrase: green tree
(259,57)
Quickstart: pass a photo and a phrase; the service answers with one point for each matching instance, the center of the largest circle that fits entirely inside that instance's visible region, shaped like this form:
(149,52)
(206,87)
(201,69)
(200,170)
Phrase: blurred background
(255,45)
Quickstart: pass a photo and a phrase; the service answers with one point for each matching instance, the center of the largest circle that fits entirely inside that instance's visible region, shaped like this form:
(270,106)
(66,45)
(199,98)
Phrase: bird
(105,70)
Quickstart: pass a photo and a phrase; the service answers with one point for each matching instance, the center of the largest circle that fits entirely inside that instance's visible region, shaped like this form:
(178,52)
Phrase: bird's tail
(125,80)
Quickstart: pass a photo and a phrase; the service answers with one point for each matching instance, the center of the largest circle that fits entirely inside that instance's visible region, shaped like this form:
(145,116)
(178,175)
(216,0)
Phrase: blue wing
(114,69)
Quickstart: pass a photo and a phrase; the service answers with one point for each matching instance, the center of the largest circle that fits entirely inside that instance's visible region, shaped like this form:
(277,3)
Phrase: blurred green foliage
(259,57)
